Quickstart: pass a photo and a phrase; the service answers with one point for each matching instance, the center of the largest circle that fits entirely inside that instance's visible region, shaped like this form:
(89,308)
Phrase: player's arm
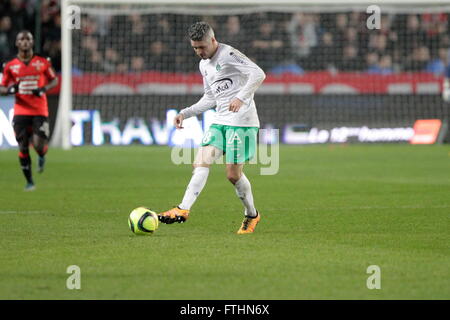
(51,78)
(41,90)
(255,77)
(6,79)
(12,89)
(206,102)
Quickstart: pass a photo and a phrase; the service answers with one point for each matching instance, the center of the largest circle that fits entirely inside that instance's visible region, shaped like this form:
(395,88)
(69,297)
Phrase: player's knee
(23,147)
(202,161)
(40,145)
(233,177)
(22,140)
(41,149)
(198,165)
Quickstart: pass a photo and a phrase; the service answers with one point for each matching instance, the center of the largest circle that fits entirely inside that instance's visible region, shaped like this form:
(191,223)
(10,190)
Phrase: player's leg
(204,158)
(23,130)
(40,139)
(243,187)
(244,192)
(241,147)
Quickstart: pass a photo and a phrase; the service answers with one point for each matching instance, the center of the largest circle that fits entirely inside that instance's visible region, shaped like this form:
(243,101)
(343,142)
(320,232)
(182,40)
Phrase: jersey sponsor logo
(222,85)
(30,77)
(26,86)
(218,67)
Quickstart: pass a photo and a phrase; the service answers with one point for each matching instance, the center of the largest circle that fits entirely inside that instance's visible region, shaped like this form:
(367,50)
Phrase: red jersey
(32,75)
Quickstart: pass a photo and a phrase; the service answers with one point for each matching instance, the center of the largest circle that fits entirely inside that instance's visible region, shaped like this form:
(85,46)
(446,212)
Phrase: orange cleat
(174,215)
(249,224)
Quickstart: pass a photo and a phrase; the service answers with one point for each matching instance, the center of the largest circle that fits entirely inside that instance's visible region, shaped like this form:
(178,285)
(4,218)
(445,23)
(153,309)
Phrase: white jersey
(227,75)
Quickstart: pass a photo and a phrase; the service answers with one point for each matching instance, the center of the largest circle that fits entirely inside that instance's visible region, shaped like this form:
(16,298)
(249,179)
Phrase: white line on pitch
(21,211)
(364,208)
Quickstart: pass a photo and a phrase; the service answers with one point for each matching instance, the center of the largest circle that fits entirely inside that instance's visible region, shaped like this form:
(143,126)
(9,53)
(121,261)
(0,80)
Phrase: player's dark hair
(199,30)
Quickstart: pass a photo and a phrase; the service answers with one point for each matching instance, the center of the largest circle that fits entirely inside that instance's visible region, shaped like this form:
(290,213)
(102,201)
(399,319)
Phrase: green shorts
(238,143)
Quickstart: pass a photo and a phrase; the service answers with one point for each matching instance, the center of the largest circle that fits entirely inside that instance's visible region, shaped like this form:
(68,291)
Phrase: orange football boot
(174,215)
(249,224)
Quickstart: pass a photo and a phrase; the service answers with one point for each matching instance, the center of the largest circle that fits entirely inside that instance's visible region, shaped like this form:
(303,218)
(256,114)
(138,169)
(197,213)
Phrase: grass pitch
(330,213)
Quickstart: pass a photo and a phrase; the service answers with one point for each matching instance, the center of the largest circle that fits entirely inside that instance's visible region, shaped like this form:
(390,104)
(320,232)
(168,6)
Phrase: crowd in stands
(278,42)
(18,15)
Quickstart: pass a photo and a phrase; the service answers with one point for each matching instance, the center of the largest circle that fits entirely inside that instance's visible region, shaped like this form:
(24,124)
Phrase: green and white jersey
(227,75)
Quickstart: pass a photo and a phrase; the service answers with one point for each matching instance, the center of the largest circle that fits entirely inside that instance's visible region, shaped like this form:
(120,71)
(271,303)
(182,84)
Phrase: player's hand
(13,89)
(235,105)
(38,91)
(178,121)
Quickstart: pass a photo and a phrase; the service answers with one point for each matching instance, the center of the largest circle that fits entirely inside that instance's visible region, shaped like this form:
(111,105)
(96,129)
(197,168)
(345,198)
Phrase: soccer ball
(143,221)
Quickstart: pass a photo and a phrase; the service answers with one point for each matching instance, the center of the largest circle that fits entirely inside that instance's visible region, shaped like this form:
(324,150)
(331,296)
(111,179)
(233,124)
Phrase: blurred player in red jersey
(28,76)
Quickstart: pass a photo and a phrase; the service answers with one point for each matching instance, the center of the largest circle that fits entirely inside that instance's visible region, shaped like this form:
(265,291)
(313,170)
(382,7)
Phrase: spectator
(184,60)
(371,60)
(303,34)
(137,64)
(384,66)
(341,24)
(137,37)
(325,55)
(351,37)
(418,60)
(439,64)
(6,36)
(89,57)
(378,43)
(350,59)
(52,49)
(111,60)
(160,28)
(158,57)
(20,19)
(339,31)
(355,20)
(435,27)
(233,34)
(411,36)
(281,42)
(268,46)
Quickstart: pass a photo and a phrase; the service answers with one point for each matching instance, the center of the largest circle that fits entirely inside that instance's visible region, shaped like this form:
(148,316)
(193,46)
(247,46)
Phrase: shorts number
(207,137)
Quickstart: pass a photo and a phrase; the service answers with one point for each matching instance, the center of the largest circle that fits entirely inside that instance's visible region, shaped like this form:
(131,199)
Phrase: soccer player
(230,80)
(28,76)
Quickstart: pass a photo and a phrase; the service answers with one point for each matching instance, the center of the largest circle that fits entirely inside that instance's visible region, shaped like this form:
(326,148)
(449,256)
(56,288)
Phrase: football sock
(195,186)
(244,192)
(25,164)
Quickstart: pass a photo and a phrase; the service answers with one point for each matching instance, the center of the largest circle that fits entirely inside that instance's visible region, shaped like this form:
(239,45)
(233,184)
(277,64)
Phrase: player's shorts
(238,143)
(25,126)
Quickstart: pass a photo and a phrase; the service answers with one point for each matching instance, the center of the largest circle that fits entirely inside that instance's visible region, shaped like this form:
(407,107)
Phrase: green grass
(329,213)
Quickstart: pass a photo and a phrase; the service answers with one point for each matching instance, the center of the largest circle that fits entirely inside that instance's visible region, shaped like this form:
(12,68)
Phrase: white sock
(244,192)
(195,186)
